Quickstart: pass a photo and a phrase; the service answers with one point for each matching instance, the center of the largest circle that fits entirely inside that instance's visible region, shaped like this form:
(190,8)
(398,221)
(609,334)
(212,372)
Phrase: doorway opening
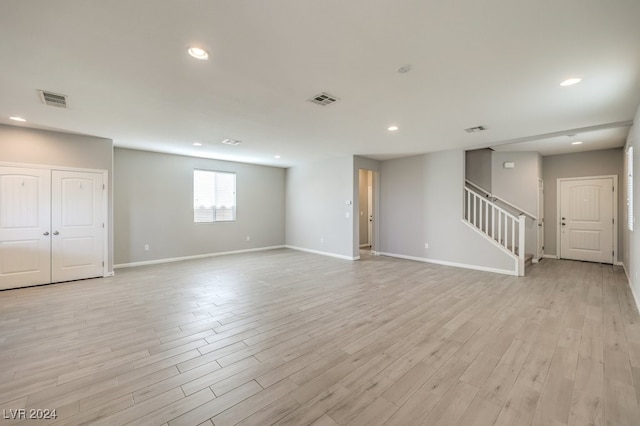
(365,214)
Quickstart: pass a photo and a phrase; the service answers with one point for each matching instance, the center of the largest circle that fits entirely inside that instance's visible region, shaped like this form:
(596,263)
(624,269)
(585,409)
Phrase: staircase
(498,225)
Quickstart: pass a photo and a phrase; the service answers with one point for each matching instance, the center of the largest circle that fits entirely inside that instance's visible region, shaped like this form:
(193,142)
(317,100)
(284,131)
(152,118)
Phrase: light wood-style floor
(293,338)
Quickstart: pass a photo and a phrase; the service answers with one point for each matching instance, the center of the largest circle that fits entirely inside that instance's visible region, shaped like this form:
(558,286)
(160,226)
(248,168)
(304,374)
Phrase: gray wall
(581,164)
(154,205)
(518,186)
(316,206)
(478,168)
(421,201)
(30,146)
(631,239)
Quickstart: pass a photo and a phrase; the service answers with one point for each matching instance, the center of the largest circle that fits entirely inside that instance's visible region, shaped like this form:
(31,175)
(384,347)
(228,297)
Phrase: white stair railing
(495,223)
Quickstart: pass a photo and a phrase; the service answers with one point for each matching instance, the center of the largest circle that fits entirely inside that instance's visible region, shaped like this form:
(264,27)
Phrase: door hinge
(103,264)
(612,220)
(103,186)
(103,226)
(613,253)
(613,189)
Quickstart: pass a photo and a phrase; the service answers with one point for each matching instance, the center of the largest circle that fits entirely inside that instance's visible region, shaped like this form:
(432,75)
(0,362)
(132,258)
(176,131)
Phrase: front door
(586,219)
(77,225)
(25,240)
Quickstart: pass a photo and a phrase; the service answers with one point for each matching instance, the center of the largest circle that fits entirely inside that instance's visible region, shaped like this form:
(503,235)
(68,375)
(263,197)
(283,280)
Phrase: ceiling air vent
(323,99)
(231,142)
(475,129)
(54,99)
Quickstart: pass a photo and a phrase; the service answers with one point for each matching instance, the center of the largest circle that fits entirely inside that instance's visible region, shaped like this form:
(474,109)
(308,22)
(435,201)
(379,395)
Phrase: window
(214,196)
(630,188)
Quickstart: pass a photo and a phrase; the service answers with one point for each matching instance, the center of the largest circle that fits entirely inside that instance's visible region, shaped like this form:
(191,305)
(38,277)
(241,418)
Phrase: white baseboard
(534,260)
(197,256)
(109,274)
(455,264)
(323,253)
(549,256)
(635,295)
(365,245)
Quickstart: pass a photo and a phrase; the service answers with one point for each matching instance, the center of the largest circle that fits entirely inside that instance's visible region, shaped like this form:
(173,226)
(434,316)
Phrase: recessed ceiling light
(198,53)
(197,144)
(576,143)
(571,81)
(392,128)
(20,119)
(276,156)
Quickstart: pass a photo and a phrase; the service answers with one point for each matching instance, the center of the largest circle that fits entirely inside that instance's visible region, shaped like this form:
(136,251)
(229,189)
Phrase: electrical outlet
(146,247)
(322,239)
(426,245)
(248,237)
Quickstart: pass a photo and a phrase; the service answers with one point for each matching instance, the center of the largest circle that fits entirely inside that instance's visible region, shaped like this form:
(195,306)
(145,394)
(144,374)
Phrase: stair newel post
(521,245)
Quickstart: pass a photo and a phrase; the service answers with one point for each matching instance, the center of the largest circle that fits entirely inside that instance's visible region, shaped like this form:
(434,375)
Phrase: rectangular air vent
(231,142)
(475,129)
(323,99)
(54,99)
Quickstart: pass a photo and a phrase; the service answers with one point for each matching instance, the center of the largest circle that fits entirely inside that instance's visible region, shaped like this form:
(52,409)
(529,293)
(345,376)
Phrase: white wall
(42,147)
(316,207)
(631,239)
(421,201)
(154,206)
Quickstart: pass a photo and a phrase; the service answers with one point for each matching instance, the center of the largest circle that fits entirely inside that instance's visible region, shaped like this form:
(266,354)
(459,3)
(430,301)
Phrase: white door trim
(105,200)
(615,211)
(540,221)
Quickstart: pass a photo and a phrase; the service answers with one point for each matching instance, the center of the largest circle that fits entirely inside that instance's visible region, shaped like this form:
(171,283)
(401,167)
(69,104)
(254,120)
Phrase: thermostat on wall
(509,165)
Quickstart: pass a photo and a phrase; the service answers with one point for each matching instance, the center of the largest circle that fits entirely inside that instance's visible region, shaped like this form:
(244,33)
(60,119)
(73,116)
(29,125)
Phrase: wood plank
(294,338)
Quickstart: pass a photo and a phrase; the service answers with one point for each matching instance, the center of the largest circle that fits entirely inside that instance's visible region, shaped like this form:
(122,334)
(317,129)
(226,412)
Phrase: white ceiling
(124,66)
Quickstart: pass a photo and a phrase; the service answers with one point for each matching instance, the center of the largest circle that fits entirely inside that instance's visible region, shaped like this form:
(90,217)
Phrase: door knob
(563,224)
(45,234)
(56,232)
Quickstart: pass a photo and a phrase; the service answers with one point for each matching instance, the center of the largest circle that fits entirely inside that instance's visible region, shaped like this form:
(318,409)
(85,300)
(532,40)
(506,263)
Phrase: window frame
(629,173)
(215,207)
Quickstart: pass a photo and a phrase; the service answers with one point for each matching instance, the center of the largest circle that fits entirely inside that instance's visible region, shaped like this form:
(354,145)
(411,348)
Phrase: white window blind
(214,196)
(630,188)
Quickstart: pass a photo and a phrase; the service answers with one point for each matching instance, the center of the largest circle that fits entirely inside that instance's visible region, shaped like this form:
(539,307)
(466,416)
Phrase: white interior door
(77,225)
(586,219)
(540,219)
(25,242)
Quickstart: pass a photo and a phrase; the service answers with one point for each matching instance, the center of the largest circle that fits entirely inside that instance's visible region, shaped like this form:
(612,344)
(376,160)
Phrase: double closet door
(51,226)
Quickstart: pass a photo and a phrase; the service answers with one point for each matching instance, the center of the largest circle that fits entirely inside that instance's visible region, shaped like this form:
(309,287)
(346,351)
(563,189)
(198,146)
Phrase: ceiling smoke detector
(231,142)
(323,99)
(475,129)
(54,99)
